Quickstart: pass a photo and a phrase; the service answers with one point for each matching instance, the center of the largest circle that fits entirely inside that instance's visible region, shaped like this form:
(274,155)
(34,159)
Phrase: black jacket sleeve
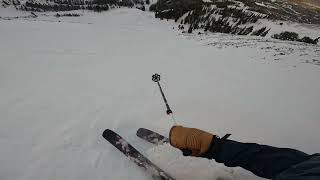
(264,161)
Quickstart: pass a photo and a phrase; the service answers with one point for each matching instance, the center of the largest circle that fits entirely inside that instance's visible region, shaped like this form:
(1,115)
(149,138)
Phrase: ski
(151,136)
(135,156)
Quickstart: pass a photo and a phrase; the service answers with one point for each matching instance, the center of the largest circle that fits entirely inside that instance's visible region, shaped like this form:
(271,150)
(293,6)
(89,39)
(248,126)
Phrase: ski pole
(156,78)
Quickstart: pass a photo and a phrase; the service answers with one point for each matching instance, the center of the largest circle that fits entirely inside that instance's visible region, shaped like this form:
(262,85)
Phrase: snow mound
(182,167)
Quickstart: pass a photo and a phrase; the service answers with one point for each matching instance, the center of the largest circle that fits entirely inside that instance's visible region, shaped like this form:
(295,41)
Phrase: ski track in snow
(290,53)
(63,81)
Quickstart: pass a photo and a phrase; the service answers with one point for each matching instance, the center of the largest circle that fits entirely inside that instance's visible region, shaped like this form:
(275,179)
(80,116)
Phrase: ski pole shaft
(169,111)
(156,78)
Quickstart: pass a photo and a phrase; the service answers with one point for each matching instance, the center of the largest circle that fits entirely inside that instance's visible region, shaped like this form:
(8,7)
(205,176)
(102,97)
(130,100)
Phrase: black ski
(135,156)
(151,136)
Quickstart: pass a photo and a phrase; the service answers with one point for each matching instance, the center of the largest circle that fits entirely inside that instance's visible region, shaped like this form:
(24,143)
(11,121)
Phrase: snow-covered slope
(64,80)
(240,17)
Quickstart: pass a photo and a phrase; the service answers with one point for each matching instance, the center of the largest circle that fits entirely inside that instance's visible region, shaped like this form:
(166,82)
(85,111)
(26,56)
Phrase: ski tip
(140,130)
(106,133)
(143,131)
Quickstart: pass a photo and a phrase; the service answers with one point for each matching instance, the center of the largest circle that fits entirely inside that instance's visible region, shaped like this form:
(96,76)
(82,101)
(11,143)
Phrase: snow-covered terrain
(64,80)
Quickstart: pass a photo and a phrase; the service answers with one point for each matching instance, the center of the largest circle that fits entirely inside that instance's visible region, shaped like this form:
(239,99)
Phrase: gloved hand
(192,139)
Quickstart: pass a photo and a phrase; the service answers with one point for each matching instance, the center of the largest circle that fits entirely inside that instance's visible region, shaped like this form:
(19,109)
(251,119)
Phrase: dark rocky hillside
(234,17)
(68,5)
(277,10)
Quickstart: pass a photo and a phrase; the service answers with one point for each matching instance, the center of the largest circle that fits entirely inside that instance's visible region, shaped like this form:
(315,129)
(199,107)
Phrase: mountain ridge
(238,17)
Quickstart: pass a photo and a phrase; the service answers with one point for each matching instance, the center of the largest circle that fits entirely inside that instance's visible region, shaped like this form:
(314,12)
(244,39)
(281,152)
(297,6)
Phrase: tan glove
(192,139)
